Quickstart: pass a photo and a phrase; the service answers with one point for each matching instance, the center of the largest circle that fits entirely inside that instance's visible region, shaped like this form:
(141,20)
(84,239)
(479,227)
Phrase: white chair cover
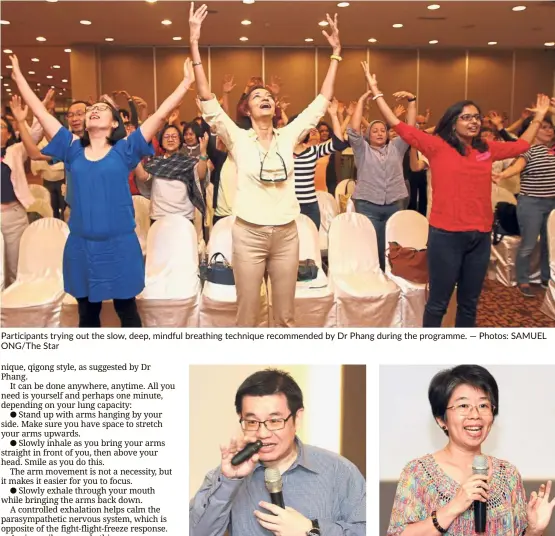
(314,300)
(40,192)
(328,211)
(365,297)
(548,306)
(218,305)
(343,192)
(41,207)
(35,298)
(172,285)
(142,219)
(409,229)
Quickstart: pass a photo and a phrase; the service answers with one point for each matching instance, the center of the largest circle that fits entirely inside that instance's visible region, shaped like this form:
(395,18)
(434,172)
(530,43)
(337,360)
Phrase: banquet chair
(328,211)
(364,296)
(548,306)
(34,300)
(218,303)
(343,192)
(314,300)
(141,205)
(171,295)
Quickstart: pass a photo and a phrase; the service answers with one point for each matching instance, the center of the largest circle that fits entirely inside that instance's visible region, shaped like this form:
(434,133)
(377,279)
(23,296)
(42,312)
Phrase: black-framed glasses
(272,425)
(273,176)
(97,108)
(485,409)
(470,117)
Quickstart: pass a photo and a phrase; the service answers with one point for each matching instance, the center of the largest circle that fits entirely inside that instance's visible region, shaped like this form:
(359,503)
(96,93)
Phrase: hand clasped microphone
(274,485)
(480,466)
(248,452)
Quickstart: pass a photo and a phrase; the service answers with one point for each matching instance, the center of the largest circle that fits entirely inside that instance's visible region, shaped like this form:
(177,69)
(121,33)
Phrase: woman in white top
(265,233)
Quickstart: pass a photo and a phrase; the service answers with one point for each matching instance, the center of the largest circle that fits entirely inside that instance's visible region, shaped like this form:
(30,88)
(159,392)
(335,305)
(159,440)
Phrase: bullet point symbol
(13,442)
(13,414)
(13,490)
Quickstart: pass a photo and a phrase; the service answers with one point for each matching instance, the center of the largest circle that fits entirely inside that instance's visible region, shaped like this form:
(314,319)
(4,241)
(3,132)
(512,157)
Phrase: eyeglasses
(171,138)
(470,117)
(272,425)
(71,115)
(274,175)
(485,409)
(97,108)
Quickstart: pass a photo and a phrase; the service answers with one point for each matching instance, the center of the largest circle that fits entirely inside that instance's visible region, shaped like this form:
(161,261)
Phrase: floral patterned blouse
(425,487)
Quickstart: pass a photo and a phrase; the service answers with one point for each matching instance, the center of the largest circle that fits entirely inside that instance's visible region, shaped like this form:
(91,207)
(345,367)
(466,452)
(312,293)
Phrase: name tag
(483,156)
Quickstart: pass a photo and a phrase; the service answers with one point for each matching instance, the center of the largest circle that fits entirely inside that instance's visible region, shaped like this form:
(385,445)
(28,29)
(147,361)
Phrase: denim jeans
(456,258)
(532,214)
(312,210)
(378,215)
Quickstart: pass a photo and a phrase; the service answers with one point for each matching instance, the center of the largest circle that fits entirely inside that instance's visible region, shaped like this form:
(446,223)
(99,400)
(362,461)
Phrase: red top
(461,185)
(133,185)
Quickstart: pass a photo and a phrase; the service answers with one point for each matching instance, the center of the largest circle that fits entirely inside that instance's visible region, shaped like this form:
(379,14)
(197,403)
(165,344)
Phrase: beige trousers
(257,248)
(14,222)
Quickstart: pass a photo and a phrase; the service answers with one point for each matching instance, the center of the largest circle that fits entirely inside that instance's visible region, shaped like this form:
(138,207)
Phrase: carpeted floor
(502,307)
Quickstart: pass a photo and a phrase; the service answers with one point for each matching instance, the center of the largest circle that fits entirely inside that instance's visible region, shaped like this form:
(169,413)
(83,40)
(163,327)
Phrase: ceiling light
(4,21)
(38,84)
(433,7)
(343,4)
(64,81)
(52,1)
(177,38)
(55,66)
(52,87)
(41,39)
(67,49)
(492,43)
(31,72)
(248,1)
(36,60)
(243,38)
(519,8)
(85,22)
(550,44)
(49,76)
(309,39)
(246,22)
(1,77)
(6,85)
(8,51)
(372,40)
(152,1)
(60,93)
(166,22)
(397,26)
(433,42)
(109,39)
(323,23)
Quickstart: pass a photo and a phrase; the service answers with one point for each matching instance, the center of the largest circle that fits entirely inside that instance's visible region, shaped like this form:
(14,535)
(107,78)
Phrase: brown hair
(243,119)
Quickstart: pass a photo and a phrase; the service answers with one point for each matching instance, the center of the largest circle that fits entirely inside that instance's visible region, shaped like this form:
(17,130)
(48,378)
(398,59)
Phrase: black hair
(13,139)
(117,133)
(163,131)
(445,128)
(445,382)
(271,382)
(324,124)
(86,103)
(528,121)
(196,128)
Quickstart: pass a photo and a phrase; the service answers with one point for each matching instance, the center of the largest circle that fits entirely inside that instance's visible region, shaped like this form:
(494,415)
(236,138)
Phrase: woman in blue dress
(102,257)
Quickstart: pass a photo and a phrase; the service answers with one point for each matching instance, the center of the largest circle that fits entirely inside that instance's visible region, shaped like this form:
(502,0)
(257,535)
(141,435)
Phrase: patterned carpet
(502,307)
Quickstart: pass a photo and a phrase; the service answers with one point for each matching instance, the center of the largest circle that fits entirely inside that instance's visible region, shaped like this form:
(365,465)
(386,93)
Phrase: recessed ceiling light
(109,39)
(64,81)
(372,40)
(52,1)
(492,43)
(177,38)
(433,7)
(166,22)
(49,76)
(309,39)
(323,23)
(1,77)
(246,22)
(152,1)
(55,66)
(343,4)
(8,51)
(67,49)
(38,84)
(519,8)
(36,60)
(397,26)
(433,42)
(85,22)
(243,38)
(4,21)
(248,1)
(31,72)
(41,38)
(550,44)
(52,87)
(60,93)
(6,85)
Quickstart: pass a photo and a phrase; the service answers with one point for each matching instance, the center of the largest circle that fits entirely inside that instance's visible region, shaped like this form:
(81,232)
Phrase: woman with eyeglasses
(265,233)
(436,493)
(102,256)
(461,217)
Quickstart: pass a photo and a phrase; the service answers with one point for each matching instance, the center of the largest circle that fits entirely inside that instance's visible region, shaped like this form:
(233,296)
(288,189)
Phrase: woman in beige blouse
(265,234)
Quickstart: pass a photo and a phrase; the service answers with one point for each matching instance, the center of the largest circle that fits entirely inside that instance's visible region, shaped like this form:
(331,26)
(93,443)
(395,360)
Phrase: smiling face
(378,135)
(190,137)
(100,116)
(468,426)
(171,140)
(324,133)
(76,118)
(278,444)
(261,104)
(468,123)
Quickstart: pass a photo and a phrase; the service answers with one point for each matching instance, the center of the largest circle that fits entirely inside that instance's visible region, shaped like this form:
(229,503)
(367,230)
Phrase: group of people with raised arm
(265,176)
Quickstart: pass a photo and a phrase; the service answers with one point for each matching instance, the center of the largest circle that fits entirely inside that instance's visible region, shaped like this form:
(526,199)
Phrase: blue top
(320,485)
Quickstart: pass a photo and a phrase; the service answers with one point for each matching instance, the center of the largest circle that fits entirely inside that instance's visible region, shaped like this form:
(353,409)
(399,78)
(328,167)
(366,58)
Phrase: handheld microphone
(248,452)
(480,466)
(274,485)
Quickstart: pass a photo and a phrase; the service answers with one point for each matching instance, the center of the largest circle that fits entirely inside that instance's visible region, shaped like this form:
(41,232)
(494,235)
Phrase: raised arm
(196,18)
(356,118)
(336,125)
(20,115)
(390,118)
(540,111)
(327,89)
(227,88)
(50,124)
(155,122)
(514,169)
(411,105)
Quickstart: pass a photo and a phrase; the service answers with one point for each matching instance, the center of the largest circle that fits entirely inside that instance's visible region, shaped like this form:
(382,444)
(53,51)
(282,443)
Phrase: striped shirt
(305,168)
(538,177)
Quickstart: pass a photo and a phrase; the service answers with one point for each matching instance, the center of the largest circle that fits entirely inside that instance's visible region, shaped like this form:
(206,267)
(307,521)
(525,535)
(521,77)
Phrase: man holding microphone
(323,493)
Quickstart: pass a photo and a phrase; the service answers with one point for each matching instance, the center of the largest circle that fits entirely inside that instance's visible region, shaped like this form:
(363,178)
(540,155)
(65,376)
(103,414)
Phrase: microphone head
(272,477)
(480,465)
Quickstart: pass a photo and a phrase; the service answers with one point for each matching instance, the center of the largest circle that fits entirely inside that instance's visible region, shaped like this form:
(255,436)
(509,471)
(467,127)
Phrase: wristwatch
(315,530)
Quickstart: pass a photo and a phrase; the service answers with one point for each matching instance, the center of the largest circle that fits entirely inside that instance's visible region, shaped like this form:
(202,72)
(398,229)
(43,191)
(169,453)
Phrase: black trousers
(89,313)
(418,192)
(56,198)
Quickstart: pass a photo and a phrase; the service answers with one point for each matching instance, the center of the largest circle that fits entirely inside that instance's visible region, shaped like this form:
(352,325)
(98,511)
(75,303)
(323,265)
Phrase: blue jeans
(456,258)
(532,214)
(312,210)
(378,215)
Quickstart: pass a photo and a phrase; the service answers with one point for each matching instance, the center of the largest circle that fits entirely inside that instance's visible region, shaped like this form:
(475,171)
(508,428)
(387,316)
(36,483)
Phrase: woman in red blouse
(461,219)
